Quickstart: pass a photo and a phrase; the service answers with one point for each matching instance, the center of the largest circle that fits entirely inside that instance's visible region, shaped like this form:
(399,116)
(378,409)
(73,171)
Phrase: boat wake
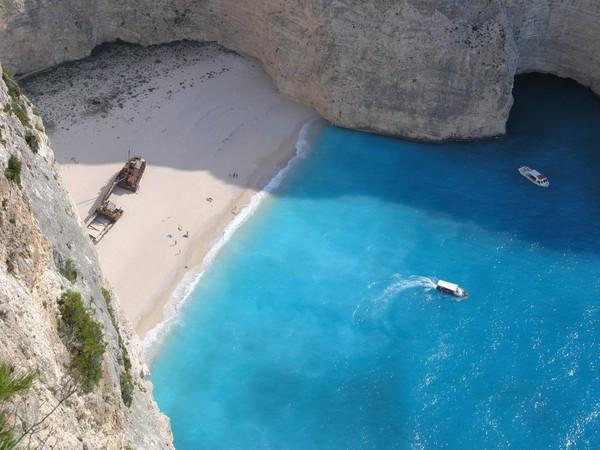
(377,304)
(400,284)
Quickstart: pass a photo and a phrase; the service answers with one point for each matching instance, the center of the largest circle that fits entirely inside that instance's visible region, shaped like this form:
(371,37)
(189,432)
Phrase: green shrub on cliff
(13,88)
(83,337)
(11,383)
(33,142)
(125,379)
(16,107)
(126,387)
(68,271)
(13,171)
(19,110)
(16,104)
(111,312)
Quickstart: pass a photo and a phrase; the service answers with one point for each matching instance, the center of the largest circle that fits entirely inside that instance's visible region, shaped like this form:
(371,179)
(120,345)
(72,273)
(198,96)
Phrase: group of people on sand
(174,244)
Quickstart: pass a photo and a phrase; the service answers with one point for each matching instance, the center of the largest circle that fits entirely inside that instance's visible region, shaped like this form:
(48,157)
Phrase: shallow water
(317,325)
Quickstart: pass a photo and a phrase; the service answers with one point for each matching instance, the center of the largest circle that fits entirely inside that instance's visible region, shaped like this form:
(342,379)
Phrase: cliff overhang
(435,70)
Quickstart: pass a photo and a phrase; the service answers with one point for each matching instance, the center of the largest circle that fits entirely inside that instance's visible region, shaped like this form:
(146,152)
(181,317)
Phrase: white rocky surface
(39,230)
(424,69)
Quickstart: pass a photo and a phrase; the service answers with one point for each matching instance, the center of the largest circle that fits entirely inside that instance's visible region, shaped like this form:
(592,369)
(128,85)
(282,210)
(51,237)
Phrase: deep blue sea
(316,327)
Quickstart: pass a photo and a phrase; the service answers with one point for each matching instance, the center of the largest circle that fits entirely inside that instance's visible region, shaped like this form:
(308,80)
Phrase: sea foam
(157,334)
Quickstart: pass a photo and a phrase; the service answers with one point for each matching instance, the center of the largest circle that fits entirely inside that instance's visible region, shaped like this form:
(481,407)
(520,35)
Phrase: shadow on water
(554,127)
(322,337)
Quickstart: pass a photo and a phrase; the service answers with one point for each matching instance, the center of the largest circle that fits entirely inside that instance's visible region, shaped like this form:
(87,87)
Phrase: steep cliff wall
(39,233)
(425,69)
(561,37)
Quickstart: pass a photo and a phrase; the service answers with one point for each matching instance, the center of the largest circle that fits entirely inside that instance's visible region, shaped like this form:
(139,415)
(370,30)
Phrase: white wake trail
(401,283)
(376,306)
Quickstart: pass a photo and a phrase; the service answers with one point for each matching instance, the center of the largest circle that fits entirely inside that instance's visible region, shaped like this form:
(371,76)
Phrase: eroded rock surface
(424,69)
(39,232)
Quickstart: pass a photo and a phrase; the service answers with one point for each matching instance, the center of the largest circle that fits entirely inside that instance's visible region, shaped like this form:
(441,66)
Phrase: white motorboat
(534,176)
(451,288)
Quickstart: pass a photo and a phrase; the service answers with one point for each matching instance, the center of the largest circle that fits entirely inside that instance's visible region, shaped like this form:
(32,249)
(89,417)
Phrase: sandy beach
(213,131)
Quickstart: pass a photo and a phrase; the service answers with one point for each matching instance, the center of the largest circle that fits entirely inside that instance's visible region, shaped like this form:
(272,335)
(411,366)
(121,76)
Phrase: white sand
(192,138)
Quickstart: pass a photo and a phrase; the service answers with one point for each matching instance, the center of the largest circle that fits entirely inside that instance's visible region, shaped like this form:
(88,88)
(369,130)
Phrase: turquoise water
(317,328)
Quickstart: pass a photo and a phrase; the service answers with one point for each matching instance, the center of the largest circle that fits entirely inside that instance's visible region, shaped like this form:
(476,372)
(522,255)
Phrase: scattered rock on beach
(131,75)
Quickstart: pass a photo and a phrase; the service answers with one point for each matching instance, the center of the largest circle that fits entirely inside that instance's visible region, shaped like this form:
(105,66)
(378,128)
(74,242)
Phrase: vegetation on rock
(33,142)
(84,339)
(68,271)
(13,88)
(125,378)
(126,383)
(11,384)
(16,107)
(13,171)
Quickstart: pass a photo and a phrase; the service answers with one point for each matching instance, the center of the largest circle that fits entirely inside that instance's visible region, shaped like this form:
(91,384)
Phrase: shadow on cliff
(554,126)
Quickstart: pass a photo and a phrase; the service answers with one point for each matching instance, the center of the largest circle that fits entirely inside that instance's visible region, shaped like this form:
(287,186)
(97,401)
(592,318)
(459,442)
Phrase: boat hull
(526,172)
(461,294)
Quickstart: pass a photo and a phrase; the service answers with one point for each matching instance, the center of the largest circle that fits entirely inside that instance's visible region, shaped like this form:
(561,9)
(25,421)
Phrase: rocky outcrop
(424,69)
(39,232)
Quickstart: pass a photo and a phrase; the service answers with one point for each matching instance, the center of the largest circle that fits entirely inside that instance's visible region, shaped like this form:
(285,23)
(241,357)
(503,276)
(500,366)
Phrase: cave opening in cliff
(544,88)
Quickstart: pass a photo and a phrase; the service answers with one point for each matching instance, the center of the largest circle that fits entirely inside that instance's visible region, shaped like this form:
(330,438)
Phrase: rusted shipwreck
(104,218)
(130,175)
(107,214)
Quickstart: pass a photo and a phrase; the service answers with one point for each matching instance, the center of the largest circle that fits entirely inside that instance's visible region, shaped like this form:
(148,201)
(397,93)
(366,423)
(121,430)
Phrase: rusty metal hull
(107,214)
(131,174)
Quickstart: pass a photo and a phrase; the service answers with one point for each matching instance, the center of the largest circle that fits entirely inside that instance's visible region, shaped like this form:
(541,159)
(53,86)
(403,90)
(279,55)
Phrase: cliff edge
(58,319)
(423,69)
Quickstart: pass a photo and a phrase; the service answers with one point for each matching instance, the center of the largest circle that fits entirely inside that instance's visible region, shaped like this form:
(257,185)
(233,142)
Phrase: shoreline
(214,132)
(157,325)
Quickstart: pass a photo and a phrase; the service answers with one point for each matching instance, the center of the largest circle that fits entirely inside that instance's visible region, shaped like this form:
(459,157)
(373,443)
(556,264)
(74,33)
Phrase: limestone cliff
(39,233)
(425,69)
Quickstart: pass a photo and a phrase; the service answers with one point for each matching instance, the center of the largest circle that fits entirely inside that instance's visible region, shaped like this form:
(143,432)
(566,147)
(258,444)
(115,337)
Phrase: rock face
(424,69)
(39,232)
